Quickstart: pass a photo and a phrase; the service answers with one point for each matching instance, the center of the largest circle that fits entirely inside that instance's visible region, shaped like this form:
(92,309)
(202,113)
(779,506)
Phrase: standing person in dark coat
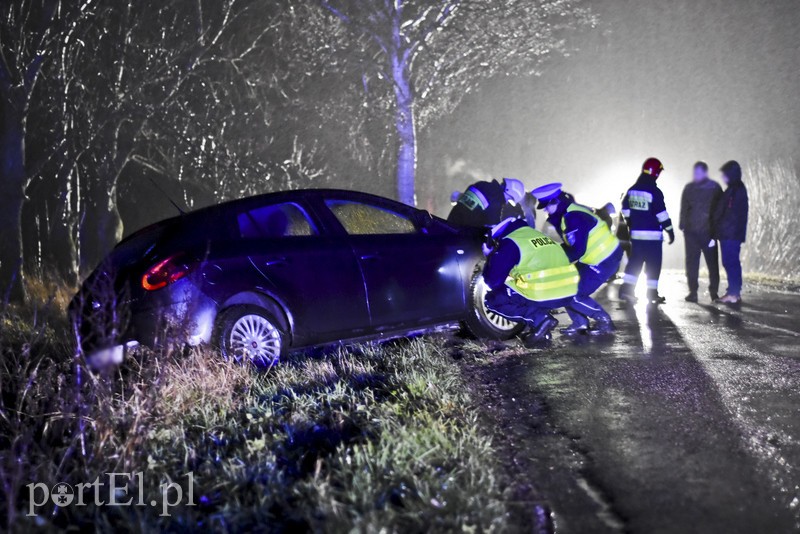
(699,198)
(730,228)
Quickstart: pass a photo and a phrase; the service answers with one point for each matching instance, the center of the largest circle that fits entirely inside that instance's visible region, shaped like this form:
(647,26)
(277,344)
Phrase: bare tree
(201,91)
(31,32)
(430,53)
(232,132)
(194,90)
(154,54)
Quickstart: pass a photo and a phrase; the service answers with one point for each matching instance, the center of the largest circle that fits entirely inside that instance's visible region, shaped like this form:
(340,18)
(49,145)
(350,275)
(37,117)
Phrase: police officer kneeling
(528,275)
(590,245)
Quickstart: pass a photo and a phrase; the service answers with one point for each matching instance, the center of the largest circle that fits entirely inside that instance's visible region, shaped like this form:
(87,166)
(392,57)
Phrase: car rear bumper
(190,322)
(177,314)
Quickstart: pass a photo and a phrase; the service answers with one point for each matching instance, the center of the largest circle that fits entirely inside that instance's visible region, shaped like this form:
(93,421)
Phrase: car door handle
(275,261)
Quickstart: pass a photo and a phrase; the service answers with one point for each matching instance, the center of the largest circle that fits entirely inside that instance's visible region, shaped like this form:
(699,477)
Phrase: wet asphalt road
(688,420)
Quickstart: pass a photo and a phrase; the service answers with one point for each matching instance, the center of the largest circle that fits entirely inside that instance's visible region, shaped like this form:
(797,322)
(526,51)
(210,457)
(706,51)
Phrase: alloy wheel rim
(255,338)
(497,321)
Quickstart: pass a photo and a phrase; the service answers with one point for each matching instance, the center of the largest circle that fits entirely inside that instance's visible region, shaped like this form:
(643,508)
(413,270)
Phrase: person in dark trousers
(699,198)
(589,245)
(485,204)
(528,275)
(730,228)
(624,234)
(646,215)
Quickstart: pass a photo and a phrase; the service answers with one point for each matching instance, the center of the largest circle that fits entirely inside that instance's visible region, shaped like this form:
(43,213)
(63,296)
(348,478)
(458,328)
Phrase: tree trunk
(406,135)
(11,274)
(101,229)
(62,250)
(12,174)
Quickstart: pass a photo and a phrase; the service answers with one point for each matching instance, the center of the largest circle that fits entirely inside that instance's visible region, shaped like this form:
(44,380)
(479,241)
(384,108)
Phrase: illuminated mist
(681,80)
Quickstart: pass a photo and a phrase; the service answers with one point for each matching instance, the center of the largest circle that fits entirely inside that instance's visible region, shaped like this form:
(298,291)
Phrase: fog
(680,80)
(110,132)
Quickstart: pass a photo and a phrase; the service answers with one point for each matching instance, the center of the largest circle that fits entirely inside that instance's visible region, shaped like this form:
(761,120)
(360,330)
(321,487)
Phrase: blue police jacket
(644,209)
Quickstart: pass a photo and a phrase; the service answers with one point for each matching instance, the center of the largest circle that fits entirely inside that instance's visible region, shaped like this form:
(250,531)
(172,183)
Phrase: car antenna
(166,196)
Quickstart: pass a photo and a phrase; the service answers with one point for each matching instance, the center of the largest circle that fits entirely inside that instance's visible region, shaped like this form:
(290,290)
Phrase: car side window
(367,219)
(276,221)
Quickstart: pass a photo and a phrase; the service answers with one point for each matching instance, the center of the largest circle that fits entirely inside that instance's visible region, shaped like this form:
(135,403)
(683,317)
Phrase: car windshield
(279,220)
(367,219)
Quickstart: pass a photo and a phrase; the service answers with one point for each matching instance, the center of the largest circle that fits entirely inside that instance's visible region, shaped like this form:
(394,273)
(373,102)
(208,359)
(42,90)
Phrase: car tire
(482,323)
(251,334)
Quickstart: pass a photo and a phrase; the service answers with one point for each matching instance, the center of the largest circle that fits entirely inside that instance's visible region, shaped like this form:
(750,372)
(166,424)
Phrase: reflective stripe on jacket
(544,271)
(645,211)
(647,235)
(600,244)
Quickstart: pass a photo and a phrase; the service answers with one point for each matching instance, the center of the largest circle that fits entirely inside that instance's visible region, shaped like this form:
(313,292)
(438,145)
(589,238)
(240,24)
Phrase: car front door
(315,274)
(412,274)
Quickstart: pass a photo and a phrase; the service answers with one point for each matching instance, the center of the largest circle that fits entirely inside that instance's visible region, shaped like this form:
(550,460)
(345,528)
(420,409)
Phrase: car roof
(295,195)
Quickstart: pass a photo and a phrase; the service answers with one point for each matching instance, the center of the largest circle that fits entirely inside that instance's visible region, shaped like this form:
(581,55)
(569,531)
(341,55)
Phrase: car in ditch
(261,276)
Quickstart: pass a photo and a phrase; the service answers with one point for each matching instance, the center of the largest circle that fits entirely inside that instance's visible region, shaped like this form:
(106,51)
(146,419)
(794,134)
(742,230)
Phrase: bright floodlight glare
(608,184)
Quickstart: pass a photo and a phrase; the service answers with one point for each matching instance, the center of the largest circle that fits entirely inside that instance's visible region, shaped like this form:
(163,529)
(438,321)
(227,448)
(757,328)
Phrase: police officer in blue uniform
(591,246)
(646,214)
(528,275)
(485,204)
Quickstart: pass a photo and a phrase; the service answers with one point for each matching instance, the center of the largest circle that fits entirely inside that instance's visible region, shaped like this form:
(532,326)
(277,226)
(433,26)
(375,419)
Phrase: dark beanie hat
(733,171)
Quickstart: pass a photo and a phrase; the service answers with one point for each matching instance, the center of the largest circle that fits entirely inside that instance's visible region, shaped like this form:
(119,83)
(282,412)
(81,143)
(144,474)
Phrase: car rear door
(412,274)
(314,273)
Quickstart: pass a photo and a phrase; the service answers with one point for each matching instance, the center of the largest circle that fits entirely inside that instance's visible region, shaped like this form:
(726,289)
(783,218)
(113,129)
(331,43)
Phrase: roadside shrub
(773,246)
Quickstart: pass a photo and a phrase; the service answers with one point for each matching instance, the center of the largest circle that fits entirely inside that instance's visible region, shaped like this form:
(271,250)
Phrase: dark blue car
(263,275)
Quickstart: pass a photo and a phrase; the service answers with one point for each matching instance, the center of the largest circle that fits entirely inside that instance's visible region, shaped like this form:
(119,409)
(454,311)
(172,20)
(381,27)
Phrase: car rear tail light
(165,272)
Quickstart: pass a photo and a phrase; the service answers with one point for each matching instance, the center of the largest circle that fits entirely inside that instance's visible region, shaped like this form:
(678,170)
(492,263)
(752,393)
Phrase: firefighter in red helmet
(646,214)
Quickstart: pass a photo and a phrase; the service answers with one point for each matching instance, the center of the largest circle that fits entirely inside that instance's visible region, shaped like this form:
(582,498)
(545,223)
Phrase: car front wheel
(251,334)
(484,323)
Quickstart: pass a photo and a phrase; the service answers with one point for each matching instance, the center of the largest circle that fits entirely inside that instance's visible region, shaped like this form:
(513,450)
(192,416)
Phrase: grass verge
(776,283)
(376,438)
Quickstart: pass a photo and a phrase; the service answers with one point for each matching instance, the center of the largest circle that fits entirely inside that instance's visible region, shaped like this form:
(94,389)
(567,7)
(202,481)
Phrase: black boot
(691,297)
(542,333)
(603,326)
(580,325)
(654,298)
(575,329)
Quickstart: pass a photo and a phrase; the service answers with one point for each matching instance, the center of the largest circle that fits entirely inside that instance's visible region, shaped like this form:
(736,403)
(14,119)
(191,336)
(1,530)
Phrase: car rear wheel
(484,323)
(251,334)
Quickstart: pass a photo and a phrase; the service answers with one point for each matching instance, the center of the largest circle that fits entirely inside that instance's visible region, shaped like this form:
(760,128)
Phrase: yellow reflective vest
(544,271)
(601,242)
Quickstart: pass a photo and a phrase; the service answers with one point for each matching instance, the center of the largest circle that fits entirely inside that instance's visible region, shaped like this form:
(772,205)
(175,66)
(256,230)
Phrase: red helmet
(653,167)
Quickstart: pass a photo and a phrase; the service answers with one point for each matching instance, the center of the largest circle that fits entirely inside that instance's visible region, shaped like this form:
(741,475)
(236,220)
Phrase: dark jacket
(644,210)
(483,204)
(730,214)
(697,206)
